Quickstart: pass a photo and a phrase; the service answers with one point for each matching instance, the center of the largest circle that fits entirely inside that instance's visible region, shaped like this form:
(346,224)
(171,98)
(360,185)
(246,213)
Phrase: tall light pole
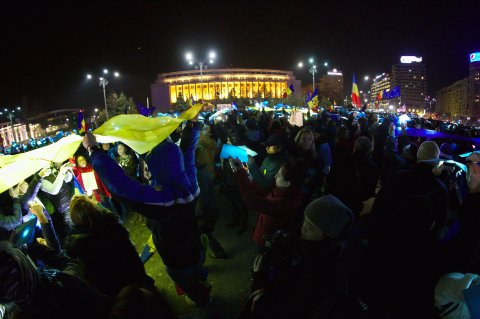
(103,81)
(201,64)
(312,69)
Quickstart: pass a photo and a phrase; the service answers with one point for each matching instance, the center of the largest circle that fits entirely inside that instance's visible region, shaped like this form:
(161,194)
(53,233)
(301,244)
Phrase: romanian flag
(313,103)
(191,101)
(81,124)
(355,94)
(290,90)
(78,189)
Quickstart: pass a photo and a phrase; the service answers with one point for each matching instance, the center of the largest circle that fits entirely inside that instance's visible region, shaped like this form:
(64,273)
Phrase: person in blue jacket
(168,205)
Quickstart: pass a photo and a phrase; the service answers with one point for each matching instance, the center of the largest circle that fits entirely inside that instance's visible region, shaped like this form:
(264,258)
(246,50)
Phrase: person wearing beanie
(407,218)
(296,278)
(326,217)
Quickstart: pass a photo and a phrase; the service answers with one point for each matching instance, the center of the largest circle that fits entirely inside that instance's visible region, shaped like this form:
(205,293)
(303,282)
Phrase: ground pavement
(230,278)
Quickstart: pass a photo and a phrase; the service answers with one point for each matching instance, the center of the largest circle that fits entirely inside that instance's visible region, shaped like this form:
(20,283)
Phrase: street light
(366,78)
(103,81)
(200,64)
(312,70)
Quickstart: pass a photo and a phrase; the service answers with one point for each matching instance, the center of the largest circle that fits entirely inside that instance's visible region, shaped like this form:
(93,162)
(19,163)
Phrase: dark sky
(47,50)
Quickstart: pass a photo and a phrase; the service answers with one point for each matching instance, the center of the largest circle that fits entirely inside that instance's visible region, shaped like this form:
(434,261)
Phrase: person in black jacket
(407,219)
(365,167)
(103,246)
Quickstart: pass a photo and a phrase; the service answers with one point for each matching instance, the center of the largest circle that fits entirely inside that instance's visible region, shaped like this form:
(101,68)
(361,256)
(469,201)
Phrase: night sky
(46,50)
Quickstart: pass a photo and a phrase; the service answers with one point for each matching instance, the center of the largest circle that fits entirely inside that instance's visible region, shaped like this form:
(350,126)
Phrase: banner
(139,132)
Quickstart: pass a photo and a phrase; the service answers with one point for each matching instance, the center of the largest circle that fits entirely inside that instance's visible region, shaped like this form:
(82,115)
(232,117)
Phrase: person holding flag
(355,94)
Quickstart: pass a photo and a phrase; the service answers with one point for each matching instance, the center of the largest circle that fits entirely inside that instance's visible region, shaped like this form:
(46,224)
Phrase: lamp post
(201,64)
(103,82)
(312,69)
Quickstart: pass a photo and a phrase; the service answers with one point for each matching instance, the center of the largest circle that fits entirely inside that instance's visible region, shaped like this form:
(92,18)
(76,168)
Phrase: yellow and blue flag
(81,124)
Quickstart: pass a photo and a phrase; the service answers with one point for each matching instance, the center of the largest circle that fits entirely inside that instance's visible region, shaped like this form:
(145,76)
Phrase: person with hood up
(168,205)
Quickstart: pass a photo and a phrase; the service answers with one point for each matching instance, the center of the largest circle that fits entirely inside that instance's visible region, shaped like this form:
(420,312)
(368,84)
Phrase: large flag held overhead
(355,95)
(139,132)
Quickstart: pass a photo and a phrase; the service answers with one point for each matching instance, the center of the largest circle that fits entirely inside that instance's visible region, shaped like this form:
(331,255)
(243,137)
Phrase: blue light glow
(475,57)
(25,233)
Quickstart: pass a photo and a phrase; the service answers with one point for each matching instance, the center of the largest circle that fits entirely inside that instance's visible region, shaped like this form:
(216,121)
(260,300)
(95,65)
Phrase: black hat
(274,139)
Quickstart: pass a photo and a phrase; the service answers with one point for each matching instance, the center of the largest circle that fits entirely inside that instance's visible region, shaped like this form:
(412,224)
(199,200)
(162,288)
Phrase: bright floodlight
(18,107)
(310,60)
(367,77)
(325,64)
(89,76)
(212,55)
(211,61)
(96,110)
(300,64)
(101,79)
(189,56)
(105,71)
(116,74)
(190,62)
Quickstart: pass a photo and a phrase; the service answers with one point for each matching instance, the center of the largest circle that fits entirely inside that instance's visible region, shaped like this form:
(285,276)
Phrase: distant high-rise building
(474,85)
(462,98)
(380,84)
(410,75)
(331,86)
(453,99)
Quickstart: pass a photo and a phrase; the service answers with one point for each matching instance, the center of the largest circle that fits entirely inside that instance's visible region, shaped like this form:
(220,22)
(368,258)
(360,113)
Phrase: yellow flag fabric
(139,132)
(15,168)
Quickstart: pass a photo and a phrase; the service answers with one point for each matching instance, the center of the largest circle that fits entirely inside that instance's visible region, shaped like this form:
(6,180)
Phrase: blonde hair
(313,150)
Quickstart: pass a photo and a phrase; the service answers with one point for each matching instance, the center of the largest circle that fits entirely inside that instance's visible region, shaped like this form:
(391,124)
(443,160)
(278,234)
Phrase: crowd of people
(355,219)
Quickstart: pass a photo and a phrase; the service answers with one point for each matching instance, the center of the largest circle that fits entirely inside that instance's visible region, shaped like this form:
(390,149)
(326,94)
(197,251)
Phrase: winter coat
(407,217)
(58,191)
(276,208)
(264,175)
(368,173)
(170,211)
(109,258)
(129,165)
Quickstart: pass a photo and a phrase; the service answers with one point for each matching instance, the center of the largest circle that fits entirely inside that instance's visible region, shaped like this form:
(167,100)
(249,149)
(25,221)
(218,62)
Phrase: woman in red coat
(277,207)
(101,194)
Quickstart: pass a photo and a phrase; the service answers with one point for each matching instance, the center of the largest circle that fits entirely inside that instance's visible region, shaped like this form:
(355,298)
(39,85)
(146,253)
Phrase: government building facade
(214,84)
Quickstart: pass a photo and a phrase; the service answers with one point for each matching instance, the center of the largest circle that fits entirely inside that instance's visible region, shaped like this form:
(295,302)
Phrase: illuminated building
(453,99)
(216,84)
(474,85)
(410,75)
(331,85)
(463,97)
(40,125)
(382,82)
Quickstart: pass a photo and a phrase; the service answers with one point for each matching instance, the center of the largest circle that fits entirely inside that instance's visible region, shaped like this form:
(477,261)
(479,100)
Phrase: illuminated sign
(410,59)
(475,57)
(334,72)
